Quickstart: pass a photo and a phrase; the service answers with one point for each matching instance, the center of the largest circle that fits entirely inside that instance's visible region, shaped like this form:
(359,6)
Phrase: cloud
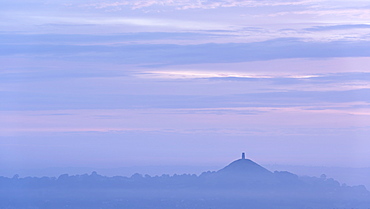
(293,80)
(309,119)
(200,74)
(170,54)
(292,95)
(91,39)
(130,21)
(194,4)
(354,14)
(338,27)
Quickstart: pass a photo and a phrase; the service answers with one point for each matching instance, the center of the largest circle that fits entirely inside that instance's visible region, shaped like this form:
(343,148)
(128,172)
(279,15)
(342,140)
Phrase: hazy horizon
(351,176)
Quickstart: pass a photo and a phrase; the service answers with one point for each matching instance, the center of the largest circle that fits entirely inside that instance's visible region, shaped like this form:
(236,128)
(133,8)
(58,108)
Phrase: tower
(243,156)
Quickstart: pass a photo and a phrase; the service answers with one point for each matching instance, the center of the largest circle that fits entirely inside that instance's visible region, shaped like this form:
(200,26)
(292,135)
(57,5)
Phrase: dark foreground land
(242,184)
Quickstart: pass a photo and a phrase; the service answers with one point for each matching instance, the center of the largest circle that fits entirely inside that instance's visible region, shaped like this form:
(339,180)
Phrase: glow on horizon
(200,74)
(227,74)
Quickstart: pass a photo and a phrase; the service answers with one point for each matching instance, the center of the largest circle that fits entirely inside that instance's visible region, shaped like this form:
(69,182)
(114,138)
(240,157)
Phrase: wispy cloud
(232,120)
(339,27)
(194,4)
(200,74)
(356,14)
(172,54)
(118,20)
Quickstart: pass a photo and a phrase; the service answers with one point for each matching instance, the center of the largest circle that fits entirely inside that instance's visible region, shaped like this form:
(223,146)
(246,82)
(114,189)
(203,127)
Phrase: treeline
(278,190)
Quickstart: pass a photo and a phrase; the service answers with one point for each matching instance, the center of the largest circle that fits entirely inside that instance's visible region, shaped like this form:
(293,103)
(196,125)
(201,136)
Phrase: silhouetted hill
(241,184)
(244,167)
(240,173)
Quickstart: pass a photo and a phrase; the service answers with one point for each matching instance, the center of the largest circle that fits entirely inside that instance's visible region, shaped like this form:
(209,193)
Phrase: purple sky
(148,82)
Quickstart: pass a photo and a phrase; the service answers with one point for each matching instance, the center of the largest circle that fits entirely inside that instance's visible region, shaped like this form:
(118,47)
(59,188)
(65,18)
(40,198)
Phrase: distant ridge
(241,184)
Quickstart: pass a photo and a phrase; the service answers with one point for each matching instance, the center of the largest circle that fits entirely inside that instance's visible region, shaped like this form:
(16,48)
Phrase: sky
(116,83)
